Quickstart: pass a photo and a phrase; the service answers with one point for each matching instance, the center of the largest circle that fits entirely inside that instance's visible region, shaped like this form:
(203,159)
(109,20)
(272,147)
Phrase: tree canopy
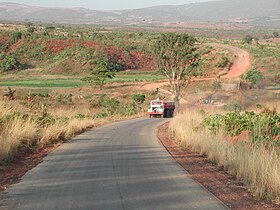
(177,55)
(102,68)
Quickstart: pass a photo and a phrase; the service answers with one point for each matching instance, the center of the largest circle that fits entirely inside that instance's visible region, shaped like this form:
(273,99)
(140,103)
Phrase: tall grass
(16,132)
(22,128)
(18,129)
(256,166)
(58,132)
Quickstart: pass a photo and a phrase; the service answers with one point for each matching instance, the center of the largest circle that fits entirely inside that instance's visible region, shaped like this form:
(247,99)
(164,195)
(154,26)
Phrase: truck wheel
(165,113)
(168,113)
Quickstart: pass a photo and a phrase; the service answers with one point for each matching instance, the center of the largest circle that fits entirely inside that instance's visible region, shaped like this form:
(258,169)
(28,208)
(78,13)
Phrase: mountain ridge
(257,12)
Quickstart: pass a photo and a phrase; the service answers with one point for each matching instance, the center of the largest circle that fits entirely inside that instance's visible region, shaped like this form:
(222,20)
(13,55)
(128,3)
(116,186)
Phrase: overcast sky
(103,4)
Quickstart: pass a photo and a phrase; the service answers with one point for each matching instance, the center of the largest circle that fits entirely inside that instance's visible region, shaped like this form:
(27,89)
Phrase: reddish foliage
(4,40)
(126,59)
(131,59)
(92,44)
(16,45)
(143,60)
(56,46)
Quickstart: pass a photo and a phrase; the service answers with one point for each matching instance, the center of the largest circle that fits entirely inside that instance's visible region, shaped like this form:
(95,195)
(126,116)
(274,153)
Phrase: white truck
(161,108)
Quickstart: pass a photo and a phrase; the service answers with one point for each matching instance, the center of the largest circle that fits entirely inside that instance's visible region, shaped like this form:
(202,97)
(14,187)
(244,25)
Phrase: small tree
(9,62)
(216,85)
(253,76)
(16,36)
(177,55)
(139,98)
(10,94)
(248,39)
(275,34)
(102,69)
(31,29)
(223,62)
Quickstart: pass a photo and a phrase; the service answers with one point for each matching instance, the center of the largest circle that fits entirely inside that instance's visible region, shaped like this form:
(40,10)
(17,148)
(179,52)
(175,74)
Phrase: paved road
(119,166)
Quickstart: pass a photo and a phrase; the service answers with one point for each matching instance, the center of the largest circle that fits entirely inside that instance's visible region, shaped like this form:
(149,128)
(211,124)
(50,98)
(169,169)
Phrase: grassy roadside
(35,117)
(256,165)
(35,130)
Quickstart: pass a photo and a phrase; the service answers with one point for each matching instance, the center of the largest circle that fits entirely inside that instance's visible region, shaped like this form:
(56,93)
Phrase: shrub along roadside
(264,127)
(255,164)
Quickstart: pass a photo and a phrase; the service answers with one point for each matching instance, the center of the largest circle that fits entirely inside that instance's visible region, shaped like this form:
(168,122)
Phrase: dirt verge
(224,186)
(23,161)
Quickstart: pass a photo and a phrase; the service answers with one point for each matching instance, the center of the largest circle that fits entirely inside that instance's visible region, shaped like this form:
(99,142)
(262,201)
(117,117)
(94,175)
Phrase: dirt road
(118,166)
(241,65)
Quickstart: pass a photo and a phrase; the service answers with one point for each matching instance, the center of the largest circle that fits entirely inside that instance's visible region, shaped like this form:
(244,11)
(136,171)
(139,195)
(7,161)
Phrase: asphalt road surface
(118,166)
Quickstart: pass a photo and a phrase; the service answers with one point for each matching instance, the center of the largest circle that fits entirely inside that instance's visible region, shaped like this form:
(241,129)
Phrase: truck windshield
(156,103)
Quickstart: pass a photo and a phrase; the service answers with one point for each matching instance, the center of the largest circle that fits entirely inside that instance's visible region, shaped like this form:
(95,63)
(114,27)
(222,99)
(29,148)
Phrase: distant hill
(265,13)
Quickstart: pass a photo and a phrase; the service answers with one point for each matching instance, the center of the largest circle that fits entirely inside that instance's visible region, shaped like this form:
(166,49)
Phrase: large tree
(177,56)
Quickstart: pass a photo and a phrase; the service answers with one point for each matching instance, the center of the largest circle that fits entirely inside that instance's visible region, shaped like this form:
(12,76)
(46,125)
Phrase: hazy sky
(103,4)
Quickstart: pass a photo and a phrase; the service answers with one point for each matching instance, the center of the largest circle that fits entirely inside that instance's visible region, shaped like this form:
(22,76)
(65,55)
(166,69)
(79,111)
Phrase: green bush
(248,39)
(31,29)
(129,110)
(16,36)
(275,34)
(216,85)
(139,98)
(264,127)
(45,119)
(224,61)
(233,106)
(109,102)
(9,62)
(253,76)
(64,99)
(101,115)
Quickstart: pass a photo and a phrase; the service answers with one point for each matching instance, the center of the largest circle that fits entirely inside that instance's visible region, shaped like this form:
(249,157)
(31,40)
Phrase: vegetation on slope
(72,50)
(68,50)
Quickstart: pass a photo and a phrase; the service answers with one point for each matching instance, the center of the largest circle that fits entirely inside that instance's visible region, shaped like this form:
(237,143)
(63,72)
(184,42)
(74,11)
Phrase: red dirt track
(242,63)
(240,66)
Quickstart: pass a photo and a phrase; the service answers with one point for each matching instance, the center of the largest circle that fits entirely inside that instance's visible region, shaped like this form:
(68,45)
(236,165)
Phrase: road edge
(222,185)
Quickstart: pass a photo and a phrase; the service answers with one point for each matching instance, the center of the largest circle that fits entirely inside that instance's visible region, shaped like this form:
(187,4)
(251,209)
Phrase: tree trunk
(177,101)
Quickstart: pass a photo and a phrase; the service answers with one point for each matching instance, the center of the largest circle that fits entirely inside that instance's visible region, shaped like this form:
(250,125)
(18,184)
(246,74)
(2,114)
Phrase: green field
(136,77)
(51,83)
(45,82)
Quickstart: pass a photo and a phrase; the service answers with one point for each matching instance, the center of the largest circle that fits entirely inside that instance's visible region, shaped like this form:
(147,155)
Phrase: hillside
(253,12)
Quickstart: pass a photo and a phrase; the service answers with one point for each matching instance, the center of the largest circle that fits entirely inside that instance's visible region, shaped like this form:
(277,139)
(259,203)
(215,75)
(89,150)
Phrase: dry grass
(61,112)
(38,120)
(272,105)
(256,167)
(20,126)
(14,132)
(18,129)
(57,132)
